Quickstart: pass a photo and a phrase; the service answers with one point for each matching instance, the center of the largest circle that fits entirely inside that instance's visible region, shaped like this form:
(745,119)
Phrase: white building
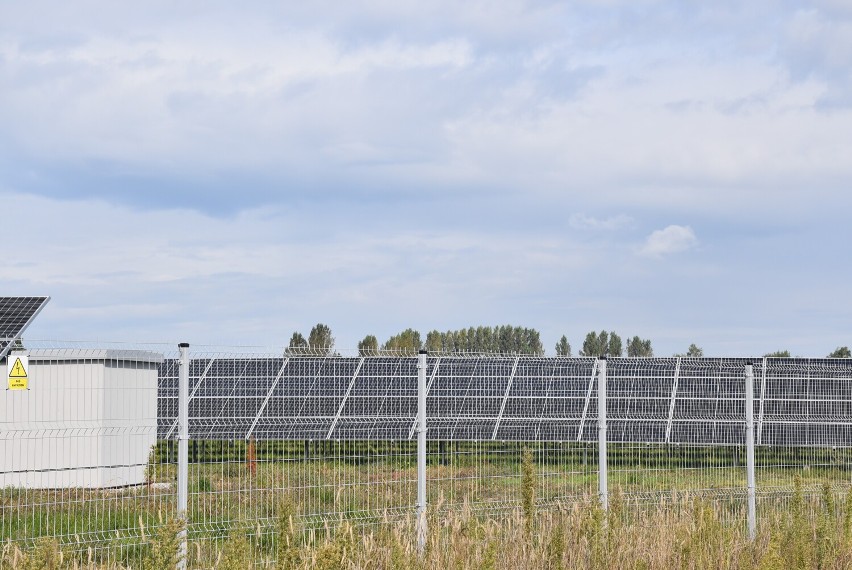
(88,419)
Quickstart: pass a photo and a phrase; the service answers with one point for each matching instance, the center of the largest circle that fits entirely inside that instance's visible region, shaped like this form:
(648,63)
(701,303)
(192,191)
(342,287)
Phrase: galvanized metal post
(183,447)
(421,452)
(750,479)
(603,489)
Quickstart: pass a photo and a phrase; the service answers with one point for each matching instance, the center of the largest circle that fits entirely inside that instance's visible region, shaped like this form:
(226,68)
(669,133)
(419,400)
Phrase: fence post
(603,490)
(183,448)
(421,452)
(750,479)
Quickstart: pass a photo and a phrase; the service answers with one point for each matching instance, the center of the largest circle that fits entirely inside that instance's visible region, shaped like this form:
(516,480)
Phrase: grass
(816,533)
(371,487)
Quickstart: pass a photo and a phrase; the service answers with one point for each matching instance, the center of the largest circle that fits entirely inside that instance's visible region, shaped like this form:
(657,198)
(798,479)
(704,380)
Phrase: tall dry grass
(683,533)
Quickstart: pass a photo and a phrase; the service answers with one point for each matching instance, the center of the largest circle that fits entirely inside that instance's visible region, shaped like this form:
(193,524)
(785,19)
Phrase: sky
(229,173)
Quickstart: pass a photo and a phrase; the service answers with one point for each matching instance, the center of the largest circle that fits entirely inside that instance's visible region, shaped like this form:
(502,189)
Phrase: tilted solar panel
(689,401)
(16,314)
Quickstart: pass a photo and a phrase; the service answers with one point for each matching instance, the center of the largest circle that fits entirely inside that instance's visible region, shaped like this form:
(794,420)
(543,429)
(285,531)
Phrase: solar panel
(16,314)
(687,401)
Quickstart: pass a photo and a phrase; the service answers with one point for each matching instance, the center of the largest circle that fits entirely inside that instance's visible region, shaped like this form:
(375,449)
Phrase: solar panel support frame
(192,395)
(268,396)
(505,397)
(345,397)
(672,402)
(588,400)
(762,399)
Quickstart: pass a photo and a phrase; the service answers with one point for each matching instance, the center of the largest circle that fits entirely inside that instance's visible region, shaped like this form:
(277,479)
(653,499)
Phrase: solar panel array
(512,398)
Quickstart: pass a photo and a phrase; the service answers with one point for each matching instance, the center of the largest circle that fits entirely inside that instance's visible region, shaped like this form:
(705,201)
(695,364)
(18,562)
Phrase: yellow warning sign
(18,379)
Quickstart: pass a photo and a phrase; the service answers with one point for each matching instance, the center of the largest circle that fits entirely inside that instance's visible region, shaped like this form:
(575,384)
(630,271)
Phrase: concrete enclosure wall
(88,419)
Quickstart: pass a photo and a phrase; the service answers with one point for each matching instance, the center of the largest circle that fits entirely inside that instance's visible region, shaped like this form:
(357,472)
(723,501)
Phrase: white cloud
(672,239)
(584,222)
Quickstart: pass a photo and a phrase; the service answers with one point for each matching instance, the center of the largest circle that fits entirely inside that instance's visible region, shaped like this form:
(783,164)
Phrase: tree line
(504,339)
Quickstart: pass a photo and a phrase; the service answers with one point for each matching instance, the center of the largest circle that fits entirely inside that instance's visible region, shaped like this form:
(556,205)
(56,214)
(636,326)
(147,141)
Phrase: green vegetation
(812,532)
(528,485)
(302,491)
(638,347)
(694,351)
(298,344)
(602,344)
(406,342)
(320,339)
(368,346)
(563,347)
(319,342)
(501,339)
(778,354)
(506,339)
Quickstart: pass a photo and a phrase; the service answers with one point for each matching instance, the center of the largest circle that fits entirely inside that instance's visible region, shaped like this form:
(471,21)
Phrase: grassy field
(372,488)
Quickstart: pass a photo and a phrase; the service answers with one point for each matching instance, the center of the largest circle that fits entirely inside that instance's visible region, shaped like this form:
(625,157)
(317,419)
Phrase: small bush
(165,545)
(237,552)
(46,556)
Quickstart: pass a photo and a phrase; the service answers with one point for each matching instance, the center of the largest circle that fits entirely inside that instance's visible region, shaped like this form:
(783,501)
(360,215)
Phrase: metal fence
(97,454)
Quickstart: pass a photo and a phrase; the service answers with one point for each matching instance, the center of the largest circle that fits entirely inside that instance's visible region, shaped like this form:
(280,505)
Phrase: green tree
(435,341)
(504,339)
(594,344)
(532,342)
(406,342)
(614,348)
(638,347)
(778,354)
(841,352)
(602,344)
(298,344)
(694,351)
(320,339)
(369,346)
(563,347)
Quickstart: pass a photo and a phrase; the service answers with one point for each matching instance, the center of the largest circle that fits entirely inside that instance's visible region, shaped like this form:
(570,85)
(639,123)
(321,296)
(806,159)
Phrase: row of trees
(609,344)
(504,339)
(839,352)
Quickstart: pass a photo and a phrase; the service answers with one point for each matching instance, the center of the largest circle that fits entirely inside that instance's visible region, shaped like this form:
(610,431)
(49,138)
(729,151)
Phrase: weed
(287,547)
(165,545)
(528,485)
(237,551)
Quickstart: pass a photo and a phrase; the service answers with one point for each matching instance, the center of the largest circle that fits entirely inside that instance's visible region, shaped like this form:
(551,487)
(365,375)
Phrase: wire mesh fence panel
(79,461)
(508,405)
(804,429)
(321,438)
(90,450)
(677,431)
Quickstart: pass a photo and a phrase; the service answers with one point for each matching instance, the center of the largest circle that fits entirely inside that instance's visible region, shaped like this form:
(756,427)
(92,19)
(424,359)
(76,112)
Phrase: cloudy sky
(219,172)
